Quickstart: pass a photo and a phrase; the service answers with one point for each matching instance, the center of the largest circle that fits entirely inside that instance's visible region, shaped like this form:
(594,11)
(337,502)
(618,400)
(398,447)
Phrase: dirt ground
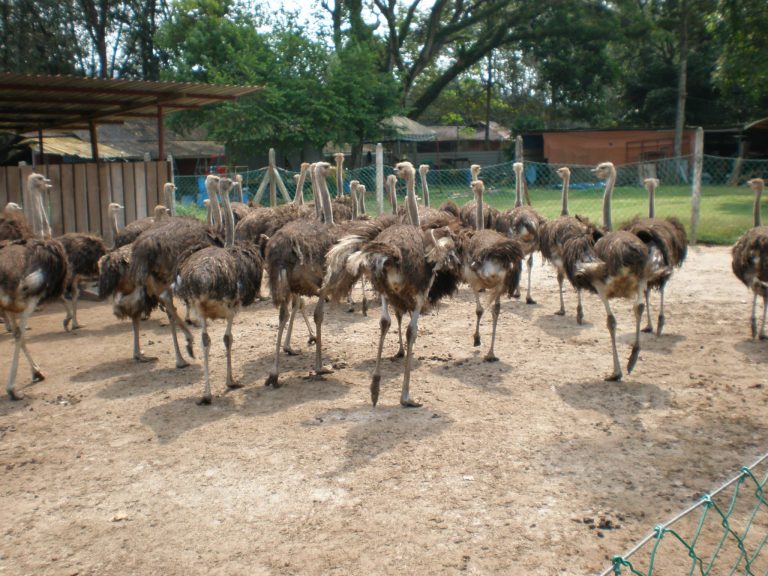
(109,466)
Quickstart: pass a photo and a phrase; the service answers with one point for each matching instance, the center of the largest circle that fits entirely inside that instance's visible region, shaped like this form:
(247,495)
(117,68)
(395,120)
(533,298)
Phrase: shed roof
(67,102)
(408,130)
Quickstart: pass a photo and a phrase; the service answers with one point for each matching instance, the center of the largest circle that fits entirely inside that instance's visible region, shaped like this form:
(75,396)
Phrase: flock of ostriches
(413,256)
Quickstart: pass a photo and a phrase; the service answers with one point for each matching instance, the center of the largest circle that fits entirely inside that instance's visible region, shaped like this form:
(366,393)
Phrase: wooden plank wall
(80,193)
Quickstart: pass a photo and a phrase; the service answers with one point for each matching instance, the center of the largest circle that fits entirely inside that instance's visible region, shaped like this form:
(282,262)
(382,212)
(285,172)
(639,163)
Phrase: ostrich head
(339,158)
(161,212)
(113,208)
(651,183)
(474,170)
(169,188)
(757,184)
(423,169)
(38,183)
(604,170)
(564,173)
(304,166)
(404,170)
(478,187)
(518,168)
(12,208)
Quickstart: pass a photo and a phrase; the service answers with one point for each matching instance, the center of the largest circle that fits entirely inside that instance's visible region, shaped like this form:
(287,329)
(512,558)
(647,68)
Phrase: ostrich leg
(75,297)
(660,326)
(18,336)
(638,309)
(205,342)
(529,264)
(312,338)
(649,325)
(753,319)
(495,311)
(283,318)
(765,310)
(579,309)
(611,323)
(137,352)
(70,313)
(479,314)
(231,382)
(410,338)
(560,279)
(173,318)
(384,323)
(319,315)
(365,299)
(287,343)
(401,350)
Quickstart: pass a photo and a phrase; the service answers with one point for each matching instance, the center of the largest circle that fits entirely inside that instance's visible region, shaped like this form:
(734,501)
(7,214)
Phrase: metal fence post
(380,176)
(698,162)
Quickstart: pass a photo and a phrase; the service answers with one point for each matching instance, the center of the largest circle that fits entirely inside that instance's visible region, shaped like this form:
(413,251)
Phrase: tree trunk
(682,80)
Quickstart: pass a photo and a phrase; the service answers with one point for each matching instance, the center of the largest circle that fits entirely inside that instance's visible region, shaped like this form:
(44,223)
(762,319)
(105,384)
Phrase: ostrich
(555,233)
(83,254)
(750,259)
(217,281)
(667,245)
(240,208)
(31,271)
(468,212)
(423,169)
(490,262)
(616,266)
(295,259)
(13,225)
(402,263)
(153,261)
(131,231)
(522,223)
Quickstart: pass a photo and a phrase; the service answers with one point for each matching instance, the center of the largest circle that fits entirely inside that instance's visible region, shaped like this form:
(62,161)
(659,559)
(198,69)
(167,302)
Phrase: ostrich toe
(142,358)
(37,376)
(490,357)
(633,358)
(615,377)
(272,381)
(234,384)
(477,340)
(408,403)
(181,363)
(529,300)
(204,401)
(648,329)
(560,313)
(13,395)
(311,340)
(290,351)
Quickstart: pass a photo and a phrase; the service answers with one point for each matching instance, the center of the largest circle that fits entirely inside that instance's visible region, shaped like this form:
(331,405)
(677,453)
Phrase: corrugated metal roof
(34,102)
(409,130)
(71,146)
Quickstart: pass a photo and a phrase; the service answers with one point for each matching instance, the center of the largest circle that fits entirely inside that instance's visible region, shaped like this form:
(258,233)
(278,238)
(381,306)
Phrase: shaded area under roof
(408,130)
(32,103)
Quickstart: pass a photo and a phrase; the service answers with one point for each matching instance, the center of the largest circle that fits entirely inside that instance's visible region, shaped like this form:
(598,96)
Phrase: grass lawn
(726,212)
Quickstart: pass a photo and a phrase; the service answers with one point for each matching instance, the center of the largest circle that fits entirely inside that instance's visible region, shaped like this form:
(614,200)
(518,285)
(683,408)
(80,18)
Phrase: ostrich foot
(615,377)
(13,395)
(234,385)
(408,403)
(633,358)
(754,328)
(516,293)
(318,374)
(399,354)
(204,401)
(560,313)
(580,317)
(490,357)
(290,351)
(477,340)
(77,326)
(272,381)
(351,308)
(375,387)
(181,363)
(660,327)
(194,323)
(529,300)
(763,337)
(66,325)
(647,330)
(142,358)
(311,340)
(37,376)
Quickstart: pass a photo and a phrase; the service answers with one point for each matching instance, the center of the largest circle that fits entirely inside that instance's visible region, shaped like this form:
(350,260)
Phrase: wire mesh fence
(724,532)
(726,203)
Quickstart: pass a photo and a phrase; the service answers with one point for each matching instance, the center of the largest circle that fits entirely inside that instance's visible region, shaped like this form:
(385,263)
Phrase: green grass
(726,212)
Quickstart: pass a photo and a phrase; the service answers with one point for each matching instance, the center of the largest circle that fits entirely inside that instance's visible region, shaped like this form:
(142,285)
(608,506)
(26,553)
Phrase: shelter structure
(42,104)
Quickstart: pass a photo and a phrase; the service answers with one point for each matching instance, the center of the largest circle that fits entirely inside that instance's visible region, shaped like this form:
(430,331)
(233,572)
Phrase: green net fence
(724,532)
(726,203)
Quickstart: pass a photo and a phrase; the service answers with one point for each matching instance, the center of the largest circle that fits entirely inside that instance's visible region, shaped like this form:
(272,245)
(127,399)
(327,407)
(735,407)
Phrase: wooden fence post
(272,177)
(698,163)
(380,176)
(172,178)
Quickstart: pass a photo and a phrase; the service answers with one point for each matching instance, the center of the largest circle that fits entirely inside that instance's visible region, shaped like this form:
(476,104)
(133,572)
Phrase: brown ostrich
(750,259)
(216,281)
(616,266)
(31,271)
(83,254)
(522,223)
(490,262)
(131,231)
(153,262)
(295,260)
(553,235)
(13,224)
(468,212)
(403,263)
(667,245)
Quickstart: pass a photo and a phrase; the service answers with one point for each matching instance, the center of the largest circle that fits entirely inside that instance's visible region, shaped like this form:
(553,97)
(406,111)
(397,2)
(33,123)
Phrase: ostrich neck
(353,197)
(229,222)
(756,206)
(316,195)
(519,189)
(609,184)
(326,200)
(45,230)
(393,197)
(425,189)
(299,196)
(340,180)
(564,209)
(480,224)
(361,202)
(413,207)
(113,225)
(168,199)
(651,202)
(215,210)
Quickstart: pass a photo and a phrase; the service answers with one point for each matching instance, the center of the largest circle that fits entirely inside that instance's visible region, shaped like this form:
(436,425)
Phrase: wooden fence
(80,193)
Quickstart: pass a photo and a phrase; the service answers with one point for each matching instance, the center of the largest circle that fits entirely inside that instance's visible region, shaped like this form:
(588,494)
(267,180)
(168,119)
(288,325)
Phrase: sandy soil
(109,466)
